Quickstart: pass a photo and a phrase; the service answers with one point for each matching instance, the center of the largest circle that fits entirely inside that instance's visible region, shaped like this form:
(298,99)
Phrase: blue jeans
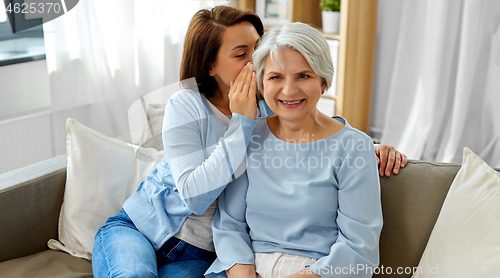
(120,250)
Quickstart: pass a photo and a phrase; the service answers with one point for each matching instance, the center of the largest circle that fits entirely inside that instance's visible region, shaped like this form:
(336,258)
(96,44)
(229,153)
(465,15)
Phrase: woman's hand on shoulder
(243,93)
(241,271)
(389,160)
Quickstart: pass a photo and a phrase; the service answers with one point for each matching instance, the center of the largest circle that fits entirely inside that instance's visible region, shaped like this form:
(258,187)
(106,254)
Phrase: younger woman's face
(238,44)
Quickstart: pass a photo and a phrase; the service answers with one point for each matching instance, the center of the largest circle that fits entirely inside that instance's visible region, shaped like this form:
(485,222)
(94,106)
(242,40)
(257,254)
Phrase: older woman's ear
(323,86)
(260,96)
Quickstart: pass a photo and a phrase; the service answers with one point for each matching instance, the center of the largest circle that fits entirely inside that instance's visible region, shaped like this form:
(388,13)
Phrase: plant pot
(331,22)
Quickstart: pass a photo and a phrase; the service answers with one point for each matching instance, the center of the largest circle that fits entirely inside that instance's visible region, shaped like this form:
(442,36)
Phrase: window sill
(21,50)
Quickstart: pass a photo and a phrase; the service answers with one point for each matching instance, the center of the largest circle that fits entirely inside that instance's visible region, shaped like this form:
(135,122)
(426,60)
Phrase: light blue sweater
(202,156)
(318,199)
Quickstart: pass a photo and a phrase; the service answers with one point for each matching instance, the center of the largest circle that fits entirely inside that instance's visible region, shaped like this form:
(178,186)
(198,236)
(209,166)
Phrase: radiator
(25,140)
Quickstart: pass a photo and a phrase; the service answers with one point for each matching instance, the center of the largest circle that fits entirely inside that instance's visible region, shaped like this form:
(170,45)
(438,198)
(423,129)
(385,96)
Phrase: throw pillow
(146,125)
(465,241)
(102,173)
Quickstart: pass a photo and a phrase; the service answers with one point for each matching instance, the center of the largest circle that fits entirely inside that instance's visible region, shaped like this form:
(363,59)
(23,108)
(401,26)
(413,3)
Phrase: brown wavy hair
(203,40)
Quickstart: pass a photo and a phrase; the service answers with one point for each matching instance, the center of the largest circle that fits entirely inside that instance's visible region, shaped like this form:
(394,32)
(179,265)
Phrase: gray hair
(301,37)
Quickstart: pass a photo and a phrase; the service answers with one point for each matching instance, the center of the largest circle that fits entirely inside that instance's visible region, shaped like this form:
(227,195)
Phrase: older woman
(310,203)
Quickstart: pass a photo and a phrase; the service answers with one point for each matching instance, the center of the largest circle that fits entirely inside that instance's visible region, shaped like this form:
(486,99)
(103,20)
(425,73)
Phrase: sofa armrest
(30,202)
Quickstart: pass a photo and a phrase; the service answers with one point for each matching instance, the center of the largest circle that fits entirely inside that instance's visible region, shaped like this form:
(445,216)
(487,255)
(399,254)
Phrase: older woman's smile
(291,103)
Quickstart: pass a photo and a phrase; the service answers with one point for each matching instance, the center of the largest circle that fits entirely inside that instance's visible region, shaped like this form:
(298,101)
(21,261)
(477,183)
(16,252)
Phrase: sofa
(31,198)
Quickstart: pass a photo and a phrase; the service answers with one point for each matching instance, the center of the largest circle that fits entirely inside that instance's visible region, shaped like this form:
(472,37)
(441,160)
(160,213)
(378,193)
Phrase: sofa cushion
(102,173)
(47,264)
(411,202)
(466,237)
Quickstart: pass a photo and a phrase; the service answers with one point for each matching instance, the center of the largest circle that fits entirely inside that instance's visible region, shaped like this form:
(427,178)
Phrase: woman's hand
(389,159)
(242,93)
(241,271)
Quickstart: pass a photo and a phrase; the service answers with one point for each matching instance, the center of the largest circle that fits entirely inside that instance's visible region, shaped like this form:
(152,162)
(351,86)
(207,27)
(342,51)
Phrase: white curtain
(105,54)
(445,84)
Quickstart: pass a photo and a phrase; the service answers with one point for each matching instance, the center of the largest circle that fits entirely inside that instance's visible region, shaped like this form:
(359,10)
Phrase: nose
(289,88)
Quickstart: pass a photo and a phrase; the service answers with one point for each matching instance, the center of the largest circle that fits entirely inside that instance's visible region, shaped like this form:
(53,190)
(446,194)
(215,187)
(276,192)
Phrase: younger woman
(164,229)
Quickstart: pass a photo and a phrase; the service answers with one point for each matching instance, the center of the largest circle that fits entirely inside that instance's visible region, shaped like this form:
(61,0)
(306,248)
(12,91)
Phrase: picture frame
(274,12)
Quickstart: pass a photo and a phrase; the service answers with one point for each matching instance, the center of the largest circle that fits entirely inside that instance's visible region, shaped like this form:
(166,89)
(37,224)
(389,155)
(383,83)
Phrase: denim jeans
(120,250)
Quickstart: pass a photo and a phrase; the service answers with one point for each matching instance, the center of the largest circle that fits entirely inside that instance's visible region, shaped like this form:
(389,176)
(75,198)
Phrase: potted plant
(330,15)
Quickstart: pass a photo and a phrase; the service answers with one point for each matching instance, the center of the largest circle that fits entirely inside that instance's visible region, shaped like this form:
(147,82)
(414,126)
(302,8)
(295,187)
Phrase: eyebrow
(305,71)
(298,73)
(244,45)
(273,73)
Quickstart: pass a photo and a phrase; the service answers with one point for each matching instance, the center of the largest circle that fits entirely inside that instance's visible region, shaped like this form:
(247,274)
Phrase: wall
(25,123)
(24,87)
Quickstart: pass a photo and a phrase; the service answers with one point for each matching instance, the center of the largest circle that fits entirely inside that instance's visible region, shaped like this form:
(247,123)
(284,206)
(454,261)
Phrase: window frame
(7,33)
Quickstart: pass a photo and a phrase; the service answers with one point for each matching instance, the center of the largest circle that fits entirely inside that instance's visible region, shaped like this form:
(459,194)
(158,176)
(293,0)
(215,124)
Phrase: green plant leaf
(330,5)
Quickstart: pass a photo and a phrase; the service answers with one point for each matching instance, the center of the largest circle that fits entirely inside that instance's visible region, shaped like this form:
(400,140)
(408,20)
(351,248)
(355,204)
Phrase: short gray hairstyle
(301,37)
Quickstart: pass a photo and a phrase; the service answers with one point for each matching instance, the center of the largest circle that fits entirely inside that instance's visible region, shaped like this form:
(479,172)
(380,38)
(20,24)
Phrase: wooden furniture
(356,57)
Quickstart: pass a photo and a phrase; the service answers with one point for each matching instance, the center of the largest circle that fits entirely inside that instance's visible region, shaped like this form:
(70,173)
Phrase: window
(3,15)
(23,46)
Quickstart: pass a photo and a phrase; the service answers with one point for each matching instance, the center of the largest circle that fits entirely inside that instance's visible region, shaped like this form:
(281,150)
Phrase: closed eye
(241,55)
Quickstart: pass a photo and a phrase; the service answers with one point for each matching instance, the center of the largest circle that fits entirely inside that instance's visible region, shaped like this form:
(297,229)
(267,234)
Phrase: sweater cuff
(218,269)
(247,125)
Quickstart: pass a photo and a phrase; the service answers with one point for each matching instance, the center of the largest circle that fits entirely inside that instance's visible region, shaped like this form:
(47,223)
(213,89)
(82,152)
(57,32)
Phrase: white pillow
(156,111)
(465,241)
(102,173)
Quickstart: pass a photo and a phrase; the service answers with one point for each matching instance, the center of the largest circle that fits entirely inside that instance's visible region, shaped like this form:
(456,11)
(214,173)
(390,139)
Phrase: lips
(291,103)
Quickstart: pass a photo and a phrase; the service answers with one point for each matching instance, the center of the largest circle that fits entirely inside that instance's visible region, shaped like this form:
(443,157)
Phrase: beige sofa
(31,198)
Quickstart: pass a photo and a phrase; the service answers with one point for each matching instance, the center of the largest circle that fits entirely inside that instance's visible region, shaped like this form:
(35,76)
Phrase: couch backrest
(30,202)
(411,202)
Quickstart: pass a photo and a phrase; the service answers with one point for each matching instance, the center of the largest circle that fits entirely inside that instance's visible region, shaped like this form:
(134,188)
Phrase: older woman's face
(291,91)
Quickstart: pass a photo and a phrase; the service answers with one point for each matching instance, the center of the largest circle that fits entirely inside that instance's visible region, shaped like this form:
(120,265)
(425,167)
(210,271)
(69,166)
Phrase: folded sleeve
(201,161)
(264,109)
(359,217)
(230,230)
